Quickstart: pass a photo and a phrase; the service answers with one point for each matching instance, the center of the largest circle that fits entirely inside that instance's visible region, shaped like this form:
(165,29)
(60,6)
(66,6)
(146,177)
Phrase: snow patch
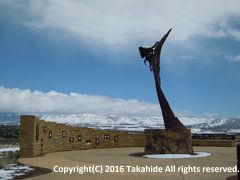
(13,170)
(177,156)
(13,149)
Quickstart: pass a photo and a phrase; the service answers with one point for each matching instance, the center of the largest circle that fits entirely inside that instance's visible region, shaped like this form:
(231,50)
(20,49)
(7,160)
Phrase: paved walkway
(117,157)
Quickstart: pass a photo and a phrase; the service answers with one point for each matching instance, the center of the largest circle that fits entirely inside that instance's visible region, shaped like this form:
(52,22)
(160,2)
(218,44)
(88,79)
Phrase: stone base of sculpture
(168,141)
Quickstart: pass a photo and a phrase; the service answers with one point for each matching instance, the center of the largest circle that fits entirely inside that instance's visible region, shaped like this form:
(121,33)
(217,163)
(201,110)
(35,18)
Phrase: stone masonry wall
(39,137)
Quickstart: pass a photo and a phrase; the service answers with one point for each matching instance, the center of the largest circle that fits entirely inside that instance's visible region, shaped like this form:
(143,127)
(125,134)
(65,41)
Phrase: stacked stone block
(39,137)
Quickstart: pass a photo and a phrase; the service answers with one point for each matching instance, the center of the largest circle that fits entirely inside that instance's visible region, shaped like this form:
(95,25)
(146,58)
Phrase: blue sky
(54,48)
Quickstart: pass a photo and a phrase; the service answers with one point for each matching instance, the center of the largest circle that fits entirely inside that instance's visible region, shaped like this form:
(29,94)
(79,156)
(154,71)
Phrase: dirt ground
(117,163)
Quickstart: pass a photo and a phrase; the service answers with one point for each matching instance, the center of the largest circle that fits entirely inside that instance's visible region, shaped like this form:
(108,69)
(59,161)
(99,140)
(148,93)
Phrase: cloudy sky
(74,56)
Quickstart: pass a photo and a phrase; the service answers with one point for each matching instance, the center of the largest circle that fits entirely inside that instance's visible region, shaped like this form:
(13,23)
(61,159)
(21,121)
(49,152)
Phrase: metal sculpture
(152,56)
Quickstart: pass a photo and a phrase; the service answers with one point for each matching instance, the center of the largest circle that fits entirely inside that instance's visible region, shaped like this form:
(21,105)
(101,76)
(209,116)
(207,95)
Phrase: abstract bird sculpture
(152,56)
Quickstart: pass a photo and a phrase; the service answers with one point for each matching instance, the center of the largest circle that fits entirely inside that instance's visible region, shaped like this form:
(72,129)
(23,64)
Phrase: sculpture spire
(152,56)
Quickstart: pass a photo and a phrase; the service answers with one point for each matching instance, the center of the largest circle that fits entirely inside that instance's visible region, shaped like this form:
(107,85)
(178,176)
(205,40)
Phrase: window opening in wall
(71,139)
(116,138)
(37,132)
(50,134)
(63,134)
(79,138)
(106,136)
(88,142)
(97,141)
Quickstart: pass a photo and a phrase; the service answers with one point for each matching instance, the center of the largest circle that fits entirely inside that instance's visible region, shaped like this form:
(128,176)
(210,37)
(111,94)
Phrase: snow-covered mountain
(108,121)
(196,124)
(9,118)
(218,125)
(134,123)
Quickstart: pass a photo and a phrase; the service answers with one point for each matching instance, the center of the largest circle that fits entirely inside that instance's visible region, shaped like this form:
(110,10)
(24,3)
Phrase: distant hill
(9,118)
(227,125)
(129,123)
(9,131)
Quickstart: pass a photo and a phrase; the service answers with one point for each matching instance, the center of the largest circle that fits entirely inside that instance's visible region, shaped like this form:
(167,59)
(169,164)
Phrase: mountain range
(228,125)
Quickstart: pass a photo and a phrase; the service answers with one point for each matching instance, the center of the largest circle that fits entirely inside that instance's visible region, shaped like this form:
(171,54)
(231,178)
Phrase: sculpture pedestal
(168,141)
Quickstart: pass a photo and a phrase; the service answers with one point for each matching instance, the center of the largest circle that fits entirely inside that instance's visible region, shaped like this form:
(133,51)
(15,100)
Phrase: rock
(168,141)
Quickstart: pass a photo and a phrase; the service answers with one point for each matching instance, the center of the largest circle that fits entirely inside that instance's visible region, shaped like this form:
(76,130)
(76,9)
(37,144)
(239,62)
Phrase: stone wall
(39,137)
(214,142)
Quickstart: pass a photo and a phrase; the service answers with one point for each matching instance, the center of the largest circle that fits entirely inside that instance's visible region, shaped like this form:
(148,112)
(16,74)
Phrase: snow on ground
(13,149)
(177,156)
(13,170)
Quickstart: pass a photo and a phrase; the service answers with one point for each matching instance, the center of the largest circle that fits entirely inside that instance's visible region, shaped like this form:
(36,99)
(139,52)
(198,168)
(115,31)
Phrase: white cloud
(116,23)
(187,57)
(237,58)
(234,33)
(233,58)
(26,101)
